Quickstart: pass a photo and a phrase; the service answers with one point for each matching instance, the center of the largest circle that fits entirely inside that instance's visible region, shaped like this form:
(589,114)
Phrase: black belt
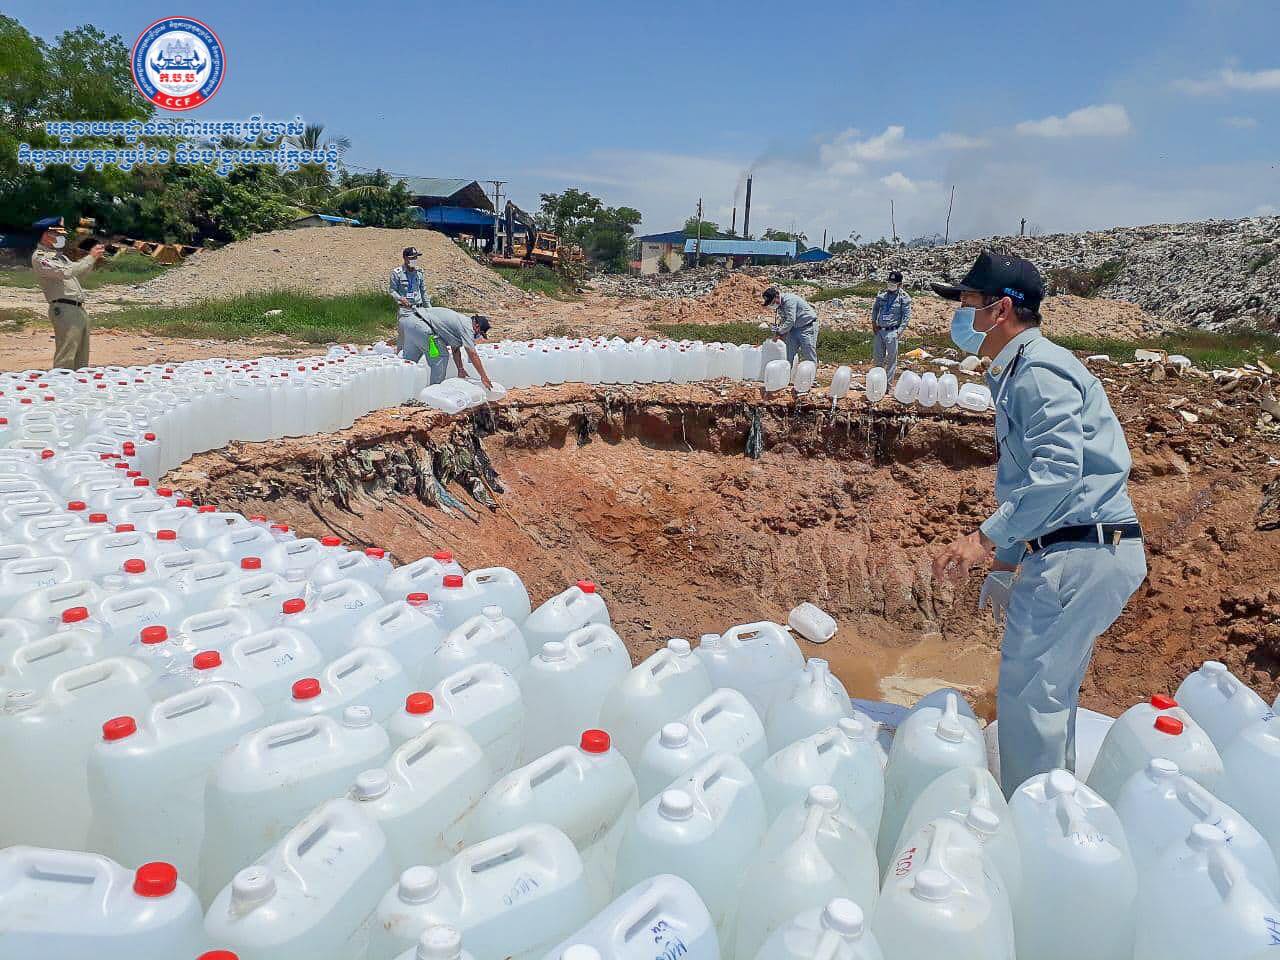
(70,303)
(1105,533)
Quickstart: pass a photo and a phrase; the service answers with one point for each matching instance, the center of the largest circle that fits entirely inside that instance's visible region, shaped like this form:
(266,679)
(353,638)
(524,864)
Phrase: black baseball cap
(482,322)
(770,295)
(410,253)
(999,275)
(895,276)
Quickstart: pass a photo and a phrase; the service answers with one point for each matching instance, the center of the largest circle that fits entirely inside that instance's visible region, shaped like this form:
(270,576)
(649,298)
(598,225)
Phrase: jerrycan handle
(92,674)
(68,866)
(189,702)
(36,650)
(298,842)
(280,736)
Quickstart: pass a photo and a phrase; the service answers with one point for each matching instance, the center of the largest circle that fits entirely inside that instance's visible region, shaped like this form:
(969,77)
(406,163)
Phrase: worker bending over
(1065,542)
(797,324)
(453,330)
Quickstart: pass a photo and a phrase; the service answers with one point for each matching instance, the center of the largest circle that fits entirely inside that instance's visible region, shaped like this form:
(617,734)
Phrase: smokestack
(733,224)
(746,213)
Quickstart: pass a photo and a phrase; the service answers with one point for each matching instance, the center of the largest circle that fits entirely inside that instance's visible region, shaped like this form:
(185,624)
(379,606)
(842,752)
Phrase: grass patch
(540,279)
(355,317)
(1085,281)
(866,289)
(14,319)
(125,268)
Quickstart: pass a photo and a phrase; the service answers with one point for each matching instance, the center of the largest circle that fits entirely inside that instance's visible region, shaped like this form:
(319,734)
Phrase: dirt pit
(648,491)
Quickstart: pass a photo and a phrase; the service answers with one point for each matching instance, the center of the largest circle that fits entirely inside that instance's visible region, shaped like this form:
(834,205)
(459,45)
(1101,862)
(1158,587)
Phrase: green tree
(373,199)
(799,238)
(603,233)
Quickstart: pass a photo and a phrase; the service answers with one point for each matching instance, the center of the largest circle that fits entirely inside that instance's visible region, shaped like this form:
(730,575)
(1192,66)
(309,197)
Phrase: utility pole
(824,238)
(697,244)
(497,205)
(733,224)
(947,236)
(746,213)
(1022,229)
(893,223)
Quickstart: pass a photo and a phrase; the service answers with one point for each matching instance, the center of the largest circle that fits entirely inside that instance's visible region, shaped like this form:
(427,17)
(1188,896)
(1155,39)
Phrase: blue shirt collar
(1005,357)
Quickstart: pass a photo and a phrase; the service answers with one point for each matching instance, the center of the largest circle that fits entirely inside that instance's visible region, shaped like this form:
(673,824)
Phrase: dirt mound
(735,298)
(330,261)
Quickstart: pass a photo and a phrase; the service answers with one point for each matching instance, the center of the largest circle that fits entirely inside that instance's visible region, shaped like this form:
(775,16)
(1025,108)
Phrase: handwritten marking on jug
(1273,929)
(525,884)
(668,941)
(903,865)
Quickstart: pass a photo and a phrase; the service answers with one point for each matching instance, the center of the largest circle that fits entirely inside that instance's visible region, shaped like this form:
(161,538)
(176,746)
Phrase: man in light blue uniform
(408,288)
(890,315)
(797,324)
(1065,542)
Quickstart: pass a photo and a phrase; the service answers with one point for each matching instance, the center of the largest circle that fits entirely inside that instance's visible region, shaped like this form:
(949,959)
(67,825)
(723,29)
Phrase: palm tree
(313,138)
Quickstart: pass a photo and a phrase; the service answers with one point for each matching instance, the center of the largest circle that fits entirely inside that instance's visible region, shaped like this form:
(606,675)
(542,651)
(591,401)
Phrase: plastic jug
(587,791)
(483,698)
(368,566)
(129,612)
(845,757)
(490,637)
(218,629)
(367,676)
(1158,807)
(570,610)
(840,381)
(1078,878)
(146,775)
(301,554)
(424,791)
(722,722)
(661,917)
(806,373)
(1154,728)
(948,390)
(107,554)
(267,664)
(46,740)
(566,684)
(20,576)
(877,384)
(263,593)
(67,905)
(838,931)
(416,904)
(812,853)
(907,389)
(265,784)
(331,614)
(927,395)
(812,623)
(974,397)
(408,630)
(777,374)
(311,896)
(1221,704)
(45,607)
(240,542)
(425,575)
(760,659)
(663,686)
(490,586)
(938,901)
(928,743)
(817,700)
(706,832)
(34,664)
(1252,779)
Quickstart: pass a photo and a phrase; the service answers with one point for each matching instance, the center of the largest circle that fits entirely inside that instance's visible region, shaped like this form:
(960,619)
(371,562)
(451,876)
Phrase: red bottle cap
(257,518)
(586,586)
(418,703)
(250,563)
(77,505)
(218,955)
(135,566)
(166,534)
(97,518)
(595,741)
(417,598)
(306,688)
(1169,725)
(164,491)
(148,436)
(1162,701)
(155,880)
(376,552)
(184,502)
(207,660)
(294,605)
(444,556)
(453,581)
(75,614)
(141,482)
(46,454)
(120,527)
(154,634)
(331,541)
(207,508)
(117,728)
(280,527)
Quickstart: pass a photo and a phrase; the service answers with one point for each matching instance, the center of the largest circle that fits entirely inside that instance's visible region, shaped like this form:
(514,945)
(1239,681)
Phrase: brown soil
(647,491)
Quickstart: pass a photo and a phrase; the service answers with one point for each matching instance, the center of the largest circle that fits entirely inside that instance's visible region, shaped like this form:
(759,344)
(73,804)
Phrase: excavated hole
(652,494)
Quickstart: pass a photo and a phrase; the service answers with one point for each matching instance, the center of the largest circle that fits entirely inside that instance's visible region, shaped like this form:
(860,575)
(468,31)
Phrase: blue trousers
(803,342)
(884,353)
(1063,598)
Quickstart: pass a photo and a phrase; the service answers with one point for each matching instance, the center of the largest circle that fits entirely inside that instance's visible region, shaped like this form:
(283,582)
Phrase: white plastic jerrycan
(367,676)
(425,575)
(331,614)
(66,905)
(267,664)
(952,795)
(1078,877)
(838,931)
(416,904)
(313,895)
(519,892)
(45,607)
(147,775)
(816,700)
(301,554)
(586,791)
(1221,704)
(566,684)
(877,384)
(1159,806)
(662,917)
(706,831)
(491,637)
(948,390)
(262,592)
(22,575)
(240,542)
(1157,727)
(576,607)
(940,901)
(1201,902)
(264,785)
(722,722)
(845,757)
(409,630)
(490,586)
(813,852)
(32,665)
(759,659)
(439,942)
(424,791)
(907,389)
(1252,780)
(369,566)
(45,740)
(777,374)
(929,742)
(660,688)
(483,699)
(218,629)
(840,381)
(806,373)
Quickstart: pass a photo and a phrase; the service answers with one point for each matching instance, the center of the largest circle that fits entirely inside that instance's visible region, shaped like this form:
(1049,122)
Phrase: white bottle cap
(419,884)
(855,728)
(372,784)
(441,942)
(675,805)
(824,796)
(252,886)
(1160,768)
(679,646)
(708,639)
(356,718)
(674,735)
(1059,783)
(580,951)
(553,651)
(932,885)
(844,917)
(1205,836)
(492,612)
(950,728)
(982,820)
(1213,668)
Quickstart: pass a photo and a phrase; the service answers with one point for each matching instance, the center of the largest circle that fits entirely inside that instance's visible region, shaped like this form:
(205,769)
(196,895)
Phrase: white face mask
(893,288)
(59,242)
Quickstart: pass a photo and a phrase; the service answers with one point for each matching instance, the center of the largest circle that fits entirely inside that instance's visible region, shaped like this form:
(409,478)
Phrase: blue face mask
(963,333)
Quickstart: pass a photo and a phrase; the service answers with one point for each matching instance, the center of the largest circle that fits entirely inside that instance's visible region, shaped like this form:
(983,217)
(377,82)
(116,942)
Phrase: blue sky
(1071,114)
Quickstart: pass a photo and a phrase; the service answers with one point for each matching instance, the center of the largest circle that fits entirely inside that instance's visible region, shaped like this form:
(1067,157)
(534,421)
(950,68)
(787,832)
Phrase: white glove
(995,593)
(762,326)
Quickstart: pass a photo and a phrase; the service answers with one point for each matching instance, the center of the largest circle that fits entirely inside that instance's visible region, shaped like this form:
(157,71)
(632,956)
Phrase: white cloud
(1240,123)
(1099,120)
(1229,78)
(961,141)
(898,182)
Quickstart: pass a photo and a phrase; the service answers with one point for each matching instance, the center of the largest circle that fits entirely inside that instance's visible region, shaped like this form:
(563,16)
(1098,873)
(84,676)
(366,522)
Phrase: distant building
(813,255)
(428,192)
(740,252)
(661,250)
(322,220)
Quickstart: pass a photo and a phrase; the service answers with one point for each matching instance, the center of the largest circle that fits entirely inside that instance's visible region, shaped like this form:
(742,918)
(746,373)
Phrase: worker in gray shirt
(1064,541)
(797,324)
(455,332)
(890,315)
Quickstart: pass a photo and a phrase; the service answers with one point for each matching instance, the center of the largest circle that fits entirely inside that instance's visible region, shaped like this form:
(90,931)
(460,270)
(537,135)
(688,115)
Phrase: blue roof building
(814,255)
(743,248)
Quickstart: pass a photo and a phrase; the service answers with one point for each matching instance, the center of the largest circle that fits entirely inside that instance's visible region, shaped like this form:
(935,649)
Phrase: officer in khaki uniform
(59,278)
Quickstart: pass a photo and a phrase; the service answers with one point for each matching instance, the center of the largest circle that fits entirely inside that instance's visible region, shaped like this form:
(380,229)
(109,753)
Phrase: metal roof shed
(744,248)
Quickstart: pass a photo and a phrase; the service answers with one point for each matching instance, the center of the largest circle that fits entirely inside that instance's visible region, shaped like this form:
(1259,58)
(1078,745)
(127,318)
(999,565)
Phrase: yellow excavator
(533,246)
